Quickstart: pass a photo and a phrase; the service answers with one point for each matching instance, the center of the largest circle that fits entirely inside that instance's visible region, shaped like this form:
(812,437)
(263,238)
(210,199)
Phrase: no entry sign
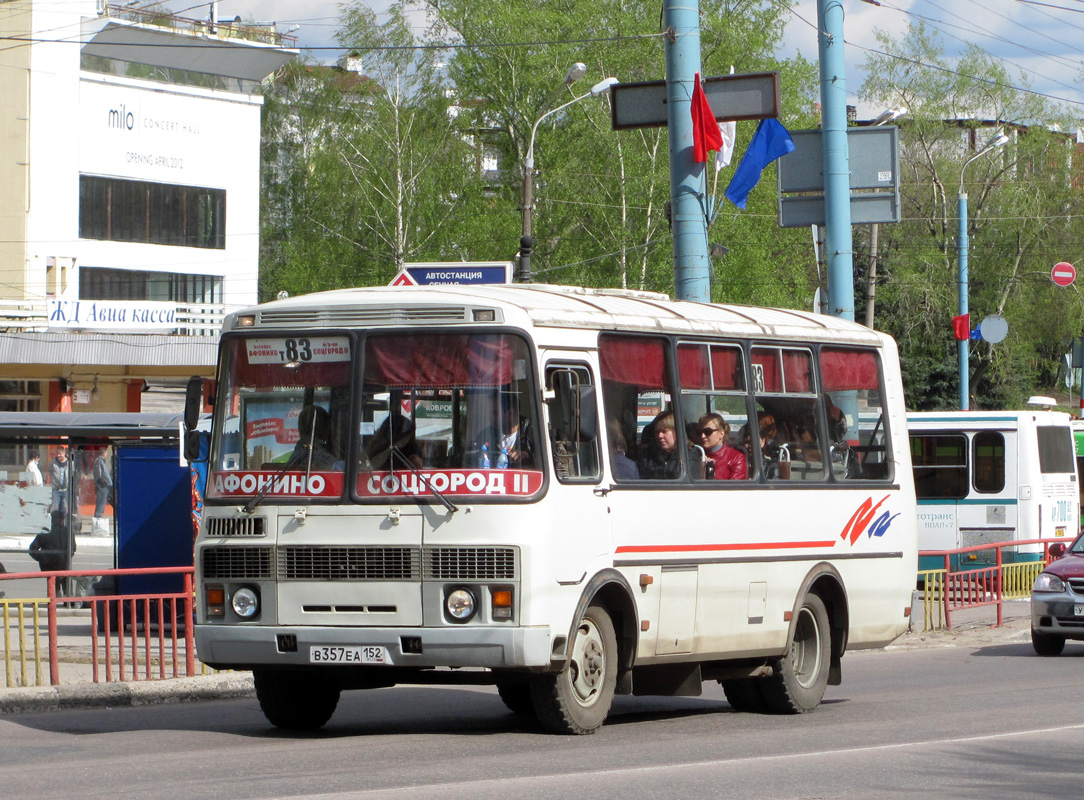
(1063,273)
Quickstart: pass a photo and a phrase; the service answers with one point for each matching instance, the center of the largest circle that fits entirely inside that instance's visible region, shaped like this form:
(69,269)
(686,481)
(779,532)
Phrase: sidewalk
(972,628)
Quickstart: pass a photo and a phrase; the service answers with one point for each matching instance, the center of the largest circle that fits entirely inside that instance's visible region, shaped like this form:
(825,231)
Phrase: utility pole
(837,180)
(681,22)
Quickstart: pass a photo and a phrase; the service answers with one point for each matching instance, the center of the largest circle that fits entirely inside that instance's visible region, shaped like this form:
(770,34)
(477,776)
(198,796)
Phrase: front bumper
(1055,613)
(243,646)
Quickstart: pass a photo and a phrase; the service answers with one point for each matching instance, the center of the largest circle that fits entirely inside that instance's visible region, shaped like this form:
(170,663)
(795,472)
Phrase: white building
(129,216)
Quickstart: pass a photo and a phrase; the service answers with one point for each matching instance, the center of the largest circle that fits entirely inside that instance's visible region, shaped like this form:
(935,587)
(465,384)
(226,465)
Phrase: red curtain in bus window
(768,363)
(726,369)
(797,371)
(438,361)
(848,369)
(693,368)
(634,360)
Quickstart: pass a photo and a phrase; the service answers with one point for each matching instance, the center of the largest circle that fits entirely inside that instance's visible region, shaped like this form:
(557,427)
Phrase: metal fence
(955,588)
(103,637)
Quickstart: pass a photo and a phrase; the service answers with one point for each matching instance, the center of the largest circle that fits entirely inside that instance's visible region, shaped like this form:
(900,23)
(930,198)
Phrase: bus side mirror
(588,414)
(193,404)
(573,411)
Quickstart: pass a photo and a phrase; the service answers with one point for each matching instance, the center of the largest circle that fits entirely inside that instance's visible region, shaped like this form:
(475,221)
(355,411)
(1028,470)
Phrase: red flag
(706,135)
(961,326)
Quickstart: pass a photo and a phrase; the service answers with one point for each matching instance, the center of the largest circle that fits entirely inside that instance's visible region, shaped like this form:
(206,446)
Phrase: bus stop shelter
(147,509)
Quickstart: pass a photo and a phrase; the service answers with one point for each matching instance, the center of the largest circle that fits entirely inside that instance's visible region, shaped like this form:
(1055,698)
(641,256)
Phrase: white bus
(983,477)
(355,535)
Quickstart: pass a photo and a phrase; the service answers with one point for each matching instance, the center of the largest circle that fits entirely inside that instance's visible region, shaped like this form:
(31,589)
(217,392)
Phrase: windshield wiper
(444,501)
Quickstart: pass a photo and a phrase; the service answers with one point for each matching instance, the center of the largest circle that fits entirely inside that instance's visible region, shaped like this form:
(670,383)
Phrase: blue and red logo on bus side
(862,517)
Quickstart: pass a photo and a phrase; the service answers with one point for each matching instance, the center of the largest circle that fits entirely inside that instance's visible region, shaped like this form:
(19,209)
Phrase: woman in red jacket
(730,462)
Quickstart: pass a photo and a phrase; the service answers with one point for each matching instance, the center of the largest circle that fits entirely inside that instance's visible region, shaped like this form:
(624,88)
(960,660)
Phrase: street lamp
(963,346)
(885,117)
(526,242)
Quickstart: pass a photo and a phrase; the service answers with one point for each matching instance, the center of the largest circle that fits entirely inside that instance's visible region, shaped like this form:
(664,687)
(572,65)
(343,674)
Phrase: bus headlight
(1048,583)
(460,605)
(245,602)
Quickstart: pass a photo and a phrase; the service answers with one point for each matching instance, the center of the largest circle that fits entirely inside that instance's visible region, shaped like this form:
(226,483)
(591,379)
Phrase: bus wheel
(295,700)
(577,699)
(1047,644)
(744,694)
(800,677)
(517,698)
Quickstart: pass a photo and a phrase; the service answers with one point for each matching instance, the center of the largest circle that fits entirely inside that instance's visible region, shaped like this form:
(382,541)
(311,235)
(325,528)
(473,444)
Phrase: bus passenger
(663,456)
(624,468)
(729,462)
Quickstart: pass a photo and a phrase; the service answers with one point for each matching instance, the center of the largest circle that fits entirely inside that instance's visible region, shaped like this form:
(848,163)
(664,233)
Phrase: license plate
(1078,610)
(330,654)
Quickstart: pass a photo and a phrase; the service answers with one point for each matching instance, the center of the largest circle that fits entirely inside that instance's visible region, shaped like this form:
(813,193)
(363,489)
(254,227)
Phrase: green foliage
(359,181)
(1023,217)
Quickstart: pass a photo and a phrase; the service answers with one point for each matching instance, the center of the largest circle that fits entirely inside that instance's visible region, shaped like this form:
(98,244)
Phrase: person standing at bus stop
(103,487)
(59,473)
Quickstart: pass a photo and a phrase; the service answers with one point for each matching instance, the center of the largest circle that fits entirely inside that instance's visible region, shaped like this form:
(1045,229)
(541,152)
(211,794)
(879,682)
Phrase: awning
(51,425)
(164,47)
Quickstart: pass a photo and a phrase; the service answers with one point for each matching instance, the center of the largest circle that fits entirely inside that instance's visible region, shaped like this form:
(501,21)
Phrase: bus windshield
(439,409)
(283,408)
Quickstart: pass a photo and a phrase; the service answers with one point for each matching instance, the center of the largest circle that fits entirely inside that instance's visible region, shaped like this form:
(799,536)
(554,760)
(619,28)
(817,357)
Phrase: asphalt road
(991,721)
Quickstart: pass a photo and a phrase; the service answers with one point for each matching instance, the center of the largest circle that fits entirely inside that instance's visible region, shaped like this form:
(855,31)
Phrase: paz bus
(983,477)
(443,485)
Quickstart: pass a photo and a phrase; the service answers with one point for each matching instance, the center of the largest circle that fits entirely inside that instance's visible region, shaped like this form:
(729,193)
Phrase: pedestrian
(59,471)
(103,486)
(33,471)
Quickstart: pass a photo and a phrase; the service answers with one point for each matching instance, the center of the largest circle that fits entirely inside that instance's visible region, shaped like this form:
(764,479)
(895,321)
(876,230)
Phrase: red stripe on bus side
(688,548)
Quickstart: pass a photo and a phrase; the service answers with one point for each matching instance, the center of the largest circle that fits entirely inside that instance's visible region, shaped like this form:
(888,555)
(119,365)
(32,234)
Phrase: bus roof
(980,420)
(546,306)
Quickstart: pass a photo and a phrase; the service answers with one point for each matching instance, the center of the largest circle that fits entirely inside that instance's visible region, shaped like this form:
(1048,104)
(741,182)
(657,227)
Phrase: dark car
(1057,600)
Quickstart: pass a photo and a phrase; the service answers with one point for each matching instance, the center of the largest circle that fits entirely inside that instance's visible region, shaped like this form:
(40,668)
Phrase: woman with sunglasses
(730,462)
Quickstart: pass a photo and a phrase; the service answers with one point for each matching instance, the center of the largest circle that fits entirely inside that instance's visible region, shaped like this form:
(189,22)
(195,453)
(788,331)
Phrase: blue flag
(769,143)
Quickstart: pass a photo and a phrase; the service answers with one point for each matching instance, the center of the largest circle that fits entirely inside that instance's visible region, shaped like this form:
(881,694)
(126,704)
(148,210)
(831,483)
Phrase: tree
(1022,209)
(600,194)
(369,172)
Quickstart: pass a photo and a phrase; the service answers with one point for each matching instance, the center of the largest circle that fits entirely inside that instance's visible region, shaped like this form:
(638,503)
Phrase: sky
(1040,38)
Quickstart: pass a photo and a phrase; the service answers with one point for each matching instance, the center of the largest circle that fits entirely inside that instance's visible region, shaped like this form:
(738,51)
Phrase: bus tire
(301,701)
(800,676)
(1047,644)
(577,699)
(744,694)
(516,698)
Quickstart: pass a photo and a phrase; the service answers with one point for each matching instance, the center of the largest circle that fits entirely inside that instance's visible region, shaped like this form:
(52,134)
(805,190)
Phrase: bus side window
(637,393)
(573,424)
(855,416)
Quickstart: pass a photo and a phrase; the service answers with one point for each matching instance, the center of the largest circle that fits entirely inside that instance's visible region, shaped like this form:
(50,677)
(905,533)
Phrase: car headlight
(245,602)
(1048,583)
(460,605)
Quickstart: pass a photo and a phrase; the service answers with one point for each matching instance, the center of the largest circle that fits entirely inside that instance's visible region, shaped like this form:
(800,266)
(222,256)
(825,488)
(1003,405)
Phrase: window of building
(19,396)
(119,210)
(98,283)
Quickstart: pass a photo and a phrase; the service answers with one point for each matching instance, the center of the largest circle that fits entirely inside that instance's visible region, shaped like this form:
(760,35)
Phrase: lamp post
(885,117)
(963,346)
(526,242)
